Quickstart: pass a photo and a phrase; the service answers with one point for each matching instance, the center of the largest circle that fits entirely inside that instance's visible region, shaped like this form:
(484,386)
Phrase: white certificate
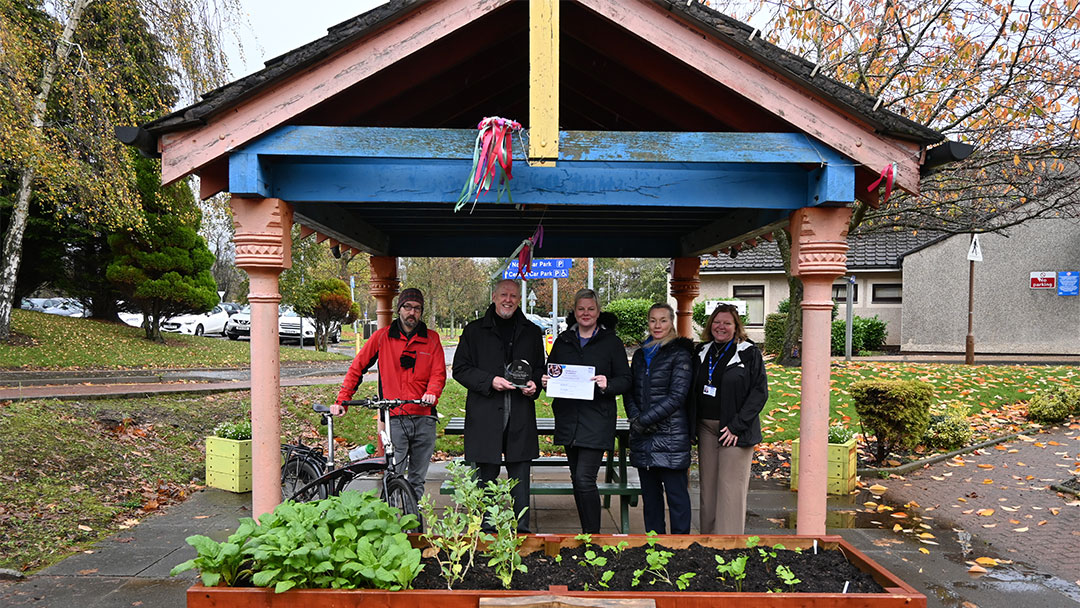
(570,381)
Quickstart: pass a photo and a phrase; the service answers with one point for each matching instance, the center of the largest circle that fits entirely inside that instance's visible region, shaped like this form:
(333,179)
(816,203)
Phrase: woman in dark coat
(661,375)
(586,428)
(730,390)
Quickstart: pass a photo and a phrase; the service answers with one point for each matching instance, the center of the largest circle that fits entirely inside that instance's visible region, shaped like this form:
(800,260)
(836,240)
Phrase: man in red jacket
(411,366)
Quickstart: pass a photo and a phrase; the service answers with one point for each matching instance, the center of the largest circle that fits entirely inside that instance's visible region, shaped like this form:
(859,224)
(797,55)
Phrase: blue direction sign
(1069,283)
(554,268)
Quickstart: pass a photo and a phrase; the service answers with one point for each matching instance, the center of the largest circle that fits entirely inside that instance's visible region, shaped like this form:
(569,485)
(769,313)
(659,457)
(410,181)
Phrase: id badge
(710,390)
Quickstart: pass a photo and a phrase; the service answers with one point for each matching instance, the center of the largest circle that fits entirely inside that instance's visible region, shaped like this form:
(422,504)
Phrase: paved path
(1001,495)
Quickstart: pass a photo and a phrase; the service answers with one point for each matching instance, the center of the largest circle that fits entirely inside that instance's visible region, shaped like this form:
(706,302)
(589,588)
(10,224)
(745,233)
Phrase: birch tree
(60,101)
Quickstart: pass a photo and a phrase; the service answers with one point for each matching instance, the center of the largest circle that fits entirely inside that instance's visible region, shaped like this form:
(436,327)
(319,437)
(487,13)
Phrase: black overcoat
(657,399)
(479,358)
(591,424)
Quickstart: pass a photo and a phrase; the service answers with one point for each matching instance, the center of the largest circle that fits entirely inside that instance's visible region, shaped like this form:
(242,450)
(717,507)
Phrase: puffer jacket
(591,424)
(657,399)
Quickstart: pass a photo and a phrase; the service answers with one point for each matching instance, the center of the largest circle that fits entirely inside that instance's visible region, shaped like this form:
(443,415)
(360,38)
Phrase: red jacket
(428,375)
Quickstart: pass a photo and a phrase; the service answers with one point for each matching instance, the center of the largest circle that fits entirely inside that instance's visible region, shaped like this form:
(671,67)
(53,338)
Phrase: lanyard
(713,363)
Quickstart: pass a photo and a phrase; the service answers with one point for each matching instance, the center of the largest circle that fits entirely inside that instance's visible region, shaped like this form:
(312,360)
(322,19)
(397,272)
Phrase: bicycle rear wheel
(296,473)
(399,494)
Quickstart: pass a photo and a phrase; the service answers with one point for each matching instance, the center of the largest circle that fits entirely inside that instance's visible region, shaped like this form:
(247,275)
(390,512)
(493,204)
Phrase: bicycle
(310,473)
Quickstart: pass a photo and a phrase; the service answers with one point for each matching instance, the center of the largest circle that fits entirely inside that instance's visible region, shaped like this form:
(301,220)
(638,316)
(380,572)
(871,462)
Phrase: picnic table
(615,478)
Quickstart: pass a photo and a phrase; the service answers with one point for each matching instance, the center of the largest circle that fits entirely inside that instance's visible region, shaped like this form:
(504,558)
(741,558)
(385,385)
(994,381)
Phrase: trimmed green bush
(839,329)
(1047,407)
(1070,396)
(897,412)
(775,326)
(633,315)
(948,431)
(873,331)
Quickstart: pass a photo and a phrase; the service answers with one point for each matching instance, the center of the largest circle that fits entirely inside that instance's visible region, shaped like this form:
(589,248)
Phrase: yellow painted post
(543,82)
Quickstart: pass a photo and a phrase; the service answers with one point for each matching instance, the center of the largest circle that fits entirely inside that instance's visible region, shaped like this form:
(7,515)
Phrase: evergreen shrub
(897,412)
(775,326)
(1047,407)
(633,315)
(948,431)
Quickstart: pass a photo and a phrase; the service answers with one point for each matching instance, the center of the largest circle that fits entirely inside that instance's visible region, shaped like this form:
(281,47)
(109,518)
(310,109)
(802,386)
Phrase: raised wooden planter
(228,464)
(842,467)
(897,593)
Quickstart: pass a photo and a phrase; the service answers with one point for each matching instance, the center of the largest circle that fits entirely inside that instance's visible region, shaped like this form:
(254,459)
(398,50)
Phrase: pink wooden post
(818,255)
(685,286)
(263,245)
(384,287)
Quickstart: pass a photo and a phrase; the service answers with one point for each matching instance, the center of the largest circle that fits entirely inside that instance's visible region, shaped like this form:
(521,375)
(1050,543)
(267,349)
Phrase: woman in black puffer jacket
(586,428)
(661,375)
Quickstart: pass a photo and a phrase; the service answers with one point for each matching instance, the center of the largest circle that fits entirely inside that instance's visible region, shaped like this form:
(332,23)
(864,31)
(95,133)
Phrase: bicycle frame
(335,478)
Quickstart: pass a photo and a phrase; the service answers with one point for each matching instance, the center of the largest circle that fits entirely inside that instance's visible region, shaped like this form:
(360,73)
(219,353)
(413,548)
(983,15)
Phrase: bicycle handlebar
(371,404)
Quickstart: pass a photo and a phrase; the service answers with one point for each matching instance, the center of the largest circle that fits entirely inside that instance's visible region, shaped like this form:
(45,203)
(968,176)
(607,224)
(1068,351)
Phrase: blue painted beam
(247,176)
(571,183)
(603,146)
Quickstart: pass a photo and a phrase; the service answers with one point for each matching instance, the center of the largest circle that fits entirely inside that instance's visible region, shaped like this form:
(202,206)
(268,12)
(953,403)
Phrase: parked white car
(289,327)
(239,325)
(212,322)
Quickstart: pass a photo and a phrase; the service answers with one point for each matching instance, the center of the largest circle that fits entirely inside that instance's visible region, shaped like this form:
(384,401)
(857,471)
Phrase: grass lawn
(57,342)
(90,467)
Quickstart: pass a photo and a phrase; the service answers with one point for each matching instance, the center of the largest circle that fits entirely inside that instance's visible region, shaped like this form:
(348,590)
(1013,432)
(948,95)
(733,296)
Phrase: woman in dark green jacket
(586,428)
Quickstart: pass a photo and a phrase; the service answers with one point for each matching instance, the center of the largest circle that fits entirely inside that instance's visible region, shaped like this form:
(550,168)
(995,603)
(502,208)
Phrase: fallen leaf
(985,512)
(200,517)
(1024,529)
(897,527)
(988,481)
(85,528)
(986,561)
(926,535)
(977,570)
(1055,510)
(989,525)
(985,466)
(924,550)
(151,505)
(878,489)
(88,571)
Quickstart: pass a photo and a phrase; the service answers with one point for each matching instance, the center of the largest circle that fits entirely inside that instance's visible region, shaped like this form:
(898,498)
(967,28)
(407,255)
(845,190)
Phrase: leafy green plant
(657,560)
(775,327)
(456,532)
(840,434)
(897,411)
(234,430)
(633,315)
(596,563)
(1047,407)
(735,568)
(344,542)
(787,576)
(219,563)
(502,550)
(949,430)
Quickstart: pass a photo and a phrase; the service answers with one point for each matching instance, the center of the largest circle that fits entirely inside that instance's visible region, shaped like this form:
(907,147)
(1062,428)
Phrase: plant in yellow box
(841,460)
(228,457)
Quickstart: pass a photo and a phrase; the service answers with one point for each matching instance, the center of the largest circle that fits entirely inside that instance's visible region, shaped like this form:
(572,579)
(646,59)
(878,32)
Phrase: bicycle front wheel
(297,473)
(399,494)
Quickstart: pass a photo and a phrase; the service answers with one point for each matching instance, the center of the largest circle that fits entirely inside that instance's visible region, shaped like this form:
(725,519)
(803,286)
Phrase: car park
(289,327)
(212,322)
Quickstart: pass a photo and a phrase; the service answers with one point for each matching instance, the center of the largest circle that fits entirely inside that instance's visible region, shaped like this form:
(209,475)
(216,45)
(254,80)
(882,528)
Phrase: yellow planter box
(841,463)
(228,464)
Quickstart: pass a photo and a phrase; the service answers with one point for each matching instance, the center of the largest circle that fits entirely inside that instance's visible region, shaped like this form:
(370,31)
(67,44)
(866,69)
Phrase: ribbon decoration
(493,150)
(525,256)
(887,175)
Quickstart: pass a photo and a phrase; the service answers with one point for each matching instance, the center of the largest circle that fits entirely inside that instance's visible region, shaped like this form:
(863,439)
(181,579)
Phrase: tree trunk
(793,332)
(12,255)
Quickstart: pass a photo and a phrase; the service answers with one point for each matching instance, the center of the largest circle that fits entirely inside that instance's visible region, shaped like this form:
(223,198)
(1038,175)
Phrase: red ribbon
(496,150)
(887,175)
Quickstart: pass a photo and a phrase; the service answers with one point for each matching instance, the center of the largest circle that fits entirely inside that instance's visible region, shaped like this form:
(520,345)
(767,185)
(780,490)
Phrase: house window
(888,293)
(839,293)
(754,296)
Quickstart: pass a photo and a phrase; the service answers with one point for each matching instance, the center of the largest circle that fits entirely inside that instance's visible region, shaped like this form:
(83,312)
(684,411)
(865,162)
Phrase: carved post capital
(819,242)
(685,287)
(383,286)
(263,233)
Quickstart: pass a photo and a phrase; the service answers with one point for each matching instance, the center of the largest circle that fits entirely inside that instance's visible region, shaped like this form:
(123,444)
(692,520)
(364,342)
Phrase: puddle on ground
(956,545)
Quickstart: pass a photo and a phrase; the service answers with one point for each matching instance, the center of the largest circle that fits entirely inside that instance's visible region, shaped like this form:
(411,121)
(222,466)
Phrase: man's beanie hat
(411,294)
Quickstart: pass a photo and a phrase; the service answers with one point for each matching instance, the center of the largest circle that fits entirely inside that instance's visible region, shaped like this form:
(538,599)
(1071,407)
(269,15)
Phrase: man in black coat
(500,418)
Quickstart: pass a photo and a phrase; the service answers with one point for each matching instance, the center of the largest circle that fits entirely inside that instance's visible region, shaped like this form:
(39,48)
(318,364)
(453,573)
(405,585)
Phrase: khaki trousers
(725,480)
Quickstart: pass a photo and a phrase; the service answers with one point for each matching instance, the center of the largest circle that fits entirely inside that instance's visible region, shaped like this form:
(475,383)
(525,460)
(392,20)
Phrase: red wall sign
(1044,280)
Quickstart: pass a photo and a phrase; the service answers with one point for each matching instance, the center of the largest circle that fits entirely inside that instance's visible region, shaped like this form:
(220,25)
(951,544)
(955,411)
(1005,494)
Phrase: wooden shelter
(655,129)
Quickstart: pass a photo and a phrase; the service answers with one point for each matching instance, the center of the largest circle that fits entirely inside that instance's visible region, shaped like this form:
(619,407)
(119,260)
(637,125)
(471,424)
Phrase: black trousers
(656,482)
(520,492)
(584,467)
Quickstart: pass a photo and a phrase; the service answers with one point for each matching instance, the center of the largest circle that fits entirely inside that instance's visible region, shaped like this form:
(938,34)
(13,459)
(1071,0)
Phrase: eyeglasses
(412,307)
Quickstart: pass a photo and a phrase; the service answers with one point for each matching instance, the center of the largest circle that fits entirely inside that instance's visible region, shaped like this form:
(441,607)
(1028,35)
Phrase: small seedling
(736,569)
(787,576)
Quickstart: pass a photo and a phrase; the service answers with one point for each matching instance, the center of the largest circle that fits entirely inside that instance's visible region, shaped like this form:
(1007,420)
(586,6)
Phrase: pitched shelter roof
(647,91)
(875,250)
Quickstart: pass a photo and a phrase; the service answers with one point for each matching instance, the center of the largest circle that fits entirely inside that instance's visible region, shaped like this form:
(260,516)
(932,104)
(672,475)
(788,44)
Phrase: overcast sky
(279,26)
